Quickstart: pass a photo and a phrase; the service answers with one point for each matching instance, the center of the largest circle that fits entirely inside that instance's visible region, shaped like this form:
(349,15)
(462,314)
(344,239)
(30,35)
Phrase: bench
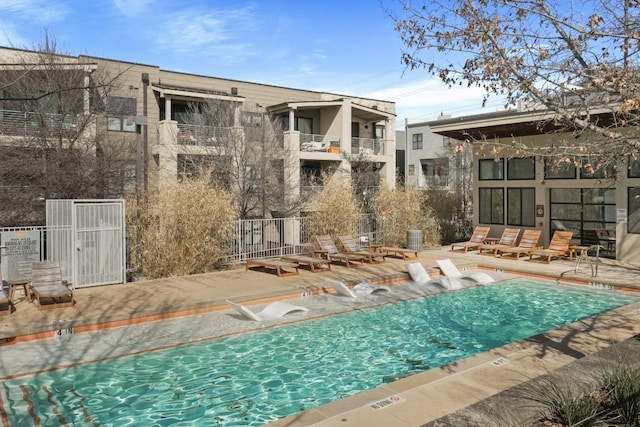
(281,267)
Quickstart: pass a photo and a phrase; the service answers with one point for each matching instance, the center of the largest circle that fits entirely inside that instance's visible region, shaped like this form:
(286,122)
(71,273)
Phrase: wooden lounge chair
(559,246)
(281,268)
(6,306)
(352,247)
(329,249)
(477,240)
(507,240)
(47,287)
(315,264)
(405,253)
(528,243)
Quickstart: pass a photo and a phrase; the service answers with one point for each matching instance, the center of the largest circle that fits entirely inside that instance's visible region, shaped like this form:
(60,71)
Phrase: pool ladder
(593,261)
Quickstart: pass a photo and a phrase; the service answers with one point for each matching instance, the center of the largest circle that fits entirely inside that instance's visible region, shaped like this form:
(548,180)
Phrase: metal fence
(263,238)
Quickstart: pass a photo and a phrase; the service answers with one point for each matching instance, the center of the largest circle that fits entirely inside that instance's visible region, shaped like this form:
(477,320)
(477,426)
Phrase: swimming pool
(255,378)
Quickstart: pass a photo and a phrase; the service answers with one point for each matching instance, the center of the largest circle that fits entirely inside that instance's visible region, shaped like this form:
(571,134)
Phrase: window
(489,169)
(416,140)
(120,110)
(634,168)
(521,168)
(564,169)
(252,118)
(491,205)
(412,170)
(521,206)
(591,169)
(381,132)
(633,220)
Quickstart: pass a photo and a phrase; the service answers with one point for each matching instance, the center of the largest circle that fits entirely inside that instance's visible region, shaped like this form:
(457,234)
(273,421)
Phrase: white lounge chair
(449,269)
(272,311)
(359,290)
(419,275)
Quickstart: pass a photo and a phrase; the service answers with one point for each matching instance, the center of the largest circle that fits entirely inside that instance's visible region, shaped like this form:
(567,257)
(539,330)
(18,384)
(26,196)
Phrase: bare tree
(51,144)
(245,152)
(579,63)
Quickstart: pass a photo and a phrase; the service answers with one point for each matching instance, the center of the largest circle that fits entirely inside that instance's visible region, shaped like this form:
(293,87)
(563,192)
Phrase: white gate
(87,238)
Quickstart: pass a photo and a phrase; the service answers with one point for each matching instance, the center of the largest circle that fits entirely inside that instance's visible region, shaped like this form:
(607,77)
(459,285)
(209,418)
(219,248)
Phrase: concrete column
(167,109)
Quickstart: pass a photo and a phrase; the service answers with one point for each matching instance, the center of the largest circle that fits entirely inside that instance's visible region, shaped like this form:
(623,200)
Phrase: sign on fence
(19,249)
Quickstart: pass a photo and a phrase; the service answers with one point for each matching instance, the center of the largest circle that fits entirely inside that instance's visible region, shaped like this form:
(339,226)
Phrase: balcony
(367,146)
(319,143)
(29,125)
(171,133)
(435,182)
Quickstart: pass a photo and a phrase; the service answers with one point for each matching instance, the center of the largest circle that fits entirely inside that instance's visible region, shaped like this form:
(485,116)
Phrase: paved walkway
(445,390)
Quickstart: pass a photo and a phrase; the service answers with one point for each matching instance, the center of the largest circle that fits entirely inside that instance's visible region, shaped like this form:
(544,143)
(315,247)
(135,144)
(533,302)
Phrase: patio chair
(449,269)
(352,247)
(274,310)
(558,246)
(507,240)
(359,290)
(328,248)
(406,253)
(528,243)
(47,287)
(315,264)
(6,306)
(477,239)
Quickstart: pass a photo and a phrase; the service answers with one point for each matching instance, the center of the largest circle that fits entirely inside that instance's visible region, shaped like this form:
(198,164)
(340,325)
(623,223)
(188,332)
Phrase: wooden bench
(274,264)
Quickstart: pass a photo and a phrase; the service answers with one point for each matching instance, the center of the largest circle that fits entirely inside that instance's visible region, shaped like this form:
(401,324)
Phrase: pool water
(258,377)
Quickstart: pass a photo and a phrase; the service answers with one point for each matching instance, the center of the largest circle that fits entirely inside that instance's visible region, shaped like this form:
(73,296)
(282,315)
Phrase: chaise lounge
(328,247)
(559,246)
(47,287)
(315,264)
(6,306)
(352,247)
(507,240)
(272,311)
(281,268)
(477,239)
(449,269)
(528,243)
(359,290)
(405,253)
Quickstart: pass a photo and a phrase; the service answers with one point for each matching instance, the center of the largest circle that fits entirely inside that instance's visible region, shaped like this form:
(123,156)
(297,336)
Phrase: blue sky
(347,47)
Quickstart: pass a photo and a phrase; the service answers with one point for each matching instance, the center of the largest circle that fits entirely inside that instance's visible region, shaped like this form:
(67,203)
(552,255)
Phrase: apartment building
(156,114)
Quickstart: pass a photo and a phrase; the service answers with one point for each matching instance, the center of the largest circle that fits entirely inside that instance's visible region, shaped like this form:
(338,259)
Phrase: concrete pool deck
(412,401)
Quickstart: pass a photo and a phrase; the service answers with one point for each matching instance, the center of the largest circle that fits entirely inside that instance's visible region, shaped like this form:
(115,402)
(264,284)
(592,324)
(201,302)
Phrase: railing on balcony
(26,124)
(206,136)
(367,146)
(435,181)
(319,143)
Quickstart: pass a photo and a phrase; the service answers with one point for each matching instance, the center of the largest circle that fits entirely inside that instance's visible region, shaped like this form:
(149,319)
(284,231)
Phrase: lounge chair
(272,311)
(476,240)
(352,247)
(419,275)
(281,268)
(507,240)
(47,287)
(528,243)
(559,246)
(6,306)
(405,253)
(449,269)
(361,289)
(328,248)
(315,264)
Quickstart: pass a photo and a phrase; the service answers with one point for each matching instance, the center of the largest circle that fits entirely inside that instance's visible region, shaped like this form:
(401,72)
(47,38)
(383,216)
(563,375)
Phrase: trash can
(414,240)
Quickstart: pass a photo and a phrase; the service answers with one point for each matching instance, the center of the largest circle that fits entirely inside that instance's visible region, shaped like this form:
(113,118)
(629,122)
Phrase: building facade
(153,113)
(509,190)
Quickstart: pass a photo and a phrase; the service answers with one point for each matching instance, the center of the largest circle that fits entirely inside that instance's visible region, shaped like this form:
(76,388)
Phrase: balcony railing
(319,143)
(205,136)
(27,124)
(367,146)
(435,181)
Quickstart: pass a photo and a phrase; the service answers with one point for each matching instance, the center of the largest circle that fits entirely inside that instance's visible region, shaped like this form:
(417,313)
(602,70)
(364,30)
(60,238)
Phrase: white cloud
(34,10)
(132,7)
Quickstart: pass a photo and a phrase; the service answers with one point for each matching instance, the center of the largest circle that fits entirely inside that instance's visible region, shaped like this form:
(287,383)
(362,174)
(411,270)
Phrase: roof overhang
(88,67)
(361,111)
(186,93)
(506,124)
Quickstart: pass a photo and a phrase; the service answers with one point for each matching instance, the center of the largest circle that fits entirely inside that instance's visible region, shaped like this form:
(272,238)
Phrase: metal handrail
(584,254)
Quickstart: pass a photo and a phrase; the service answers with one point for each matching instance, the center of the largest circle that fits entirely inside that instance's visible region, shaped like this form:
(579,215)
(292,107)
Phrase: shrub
(184,230)
(406,210)
(333,210)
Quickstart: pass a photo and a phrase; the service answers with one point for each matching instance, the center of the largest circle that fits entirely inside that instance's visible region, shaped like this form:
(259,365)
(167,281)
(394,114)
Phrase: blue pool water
(254,378)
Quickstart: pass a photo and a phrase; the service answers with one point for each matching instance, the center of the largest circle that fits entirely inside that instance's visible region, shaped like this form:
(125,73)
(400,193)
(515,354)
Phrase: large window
(633,220)
(521,206)
(521,168)
(592,168)
(490,169)
(120,111)
(416,140)
(634,168)
(491,205)
(559,170)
